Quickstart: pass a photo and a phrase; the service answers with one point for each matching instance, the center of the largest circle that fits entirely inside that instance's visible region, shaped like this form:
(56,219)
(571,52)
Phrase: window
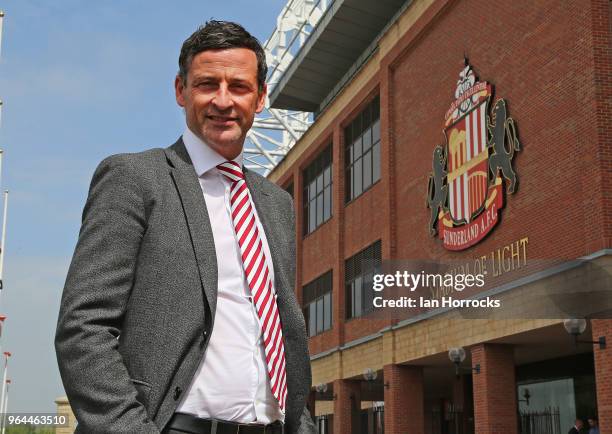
(318,191)
(359,276)
(289,189)
(362,150)
(317,302)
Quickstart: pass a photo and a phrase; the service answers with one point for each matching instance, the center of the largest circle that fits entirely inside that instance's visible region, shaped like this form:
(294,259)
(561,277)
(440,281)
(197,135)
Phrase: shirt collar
(203,156)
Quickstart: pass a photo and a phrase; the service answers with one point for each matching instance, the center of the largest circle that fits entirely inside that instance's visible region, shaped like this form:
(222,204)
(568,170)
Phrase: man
(178,313)
(578,424)
(593,424)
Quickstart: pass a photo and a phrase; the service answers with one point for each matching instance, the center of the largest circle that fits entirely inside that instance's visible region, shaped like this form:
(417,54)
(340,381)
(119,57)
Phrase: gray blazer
(139,302)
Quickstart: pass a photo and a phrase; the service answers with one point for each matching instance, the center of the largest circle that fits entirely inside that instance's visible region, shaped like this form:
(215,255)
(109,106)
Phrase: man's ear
(178,90)
(261,99)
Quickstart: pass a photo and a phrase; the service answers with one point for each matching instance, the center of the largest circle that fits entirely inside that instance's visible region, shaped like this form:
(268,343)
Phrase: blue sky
(79,81)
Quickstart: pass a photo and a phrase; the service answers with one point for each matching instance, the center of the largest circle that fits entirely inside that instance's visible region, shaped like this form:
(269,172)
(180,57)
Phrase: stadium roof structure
(343,39)
(275,131)
(315,49)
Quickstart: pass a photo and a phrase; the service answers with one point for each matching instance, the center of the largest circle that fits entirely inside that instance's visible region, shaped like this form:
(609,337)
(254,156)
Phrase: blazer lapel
(196,214)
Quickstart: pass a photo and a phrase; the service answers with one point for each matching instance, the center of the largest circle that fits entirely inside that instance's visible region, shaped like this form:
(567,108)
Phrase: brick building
(380,78)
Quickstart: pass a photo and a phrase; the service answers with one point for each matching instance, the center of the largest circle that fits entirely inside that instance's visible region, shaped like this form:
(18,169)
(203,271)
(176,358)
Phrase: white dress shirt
(232,381)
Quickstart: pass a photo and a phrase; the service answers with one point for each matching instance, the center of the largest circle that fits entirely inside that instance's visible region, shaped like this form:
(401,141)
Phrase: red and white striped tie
(258,277)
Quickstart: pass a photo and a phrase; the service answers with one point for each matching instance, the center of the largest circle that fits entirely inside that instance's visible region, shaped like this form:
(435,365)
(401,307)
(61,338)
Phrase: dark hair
(219,35)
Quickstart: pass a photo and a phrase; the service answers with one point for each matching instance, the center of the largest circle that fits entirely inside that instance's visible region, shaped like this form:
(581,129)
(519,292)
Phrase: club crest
(466,188)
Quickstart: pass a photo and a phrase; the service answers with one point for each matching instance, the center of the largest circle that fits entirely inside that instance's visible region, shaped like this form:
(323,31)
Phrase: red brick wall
(364,219)
(603,373)
(346,409)
(602,47)
(495,405)
(551,61)
(540,57)
(319,250)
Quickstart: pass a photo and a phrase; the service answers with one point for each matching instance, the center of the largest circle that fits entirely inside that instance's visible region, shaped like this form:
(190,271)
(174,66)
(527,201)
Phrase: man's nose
(223,98)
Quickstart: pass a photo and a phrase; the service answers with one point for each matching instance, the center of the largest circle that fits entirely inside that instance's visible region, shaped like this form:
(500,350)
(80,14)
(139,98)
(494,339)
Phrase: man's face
(221,98)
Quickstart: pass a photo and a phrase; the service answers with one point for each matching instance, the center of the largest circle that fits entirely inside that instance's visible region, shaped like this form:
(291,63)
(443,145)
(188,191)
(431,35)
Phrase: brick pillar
(603,373)
(404,406)
(347,403)
(338,294)
(495,405)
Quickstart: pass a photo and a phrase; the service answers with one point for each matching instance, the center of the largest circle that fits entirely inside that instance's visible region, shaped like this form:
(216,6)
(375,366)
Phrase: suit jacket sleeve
(306,424)
(94,300)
